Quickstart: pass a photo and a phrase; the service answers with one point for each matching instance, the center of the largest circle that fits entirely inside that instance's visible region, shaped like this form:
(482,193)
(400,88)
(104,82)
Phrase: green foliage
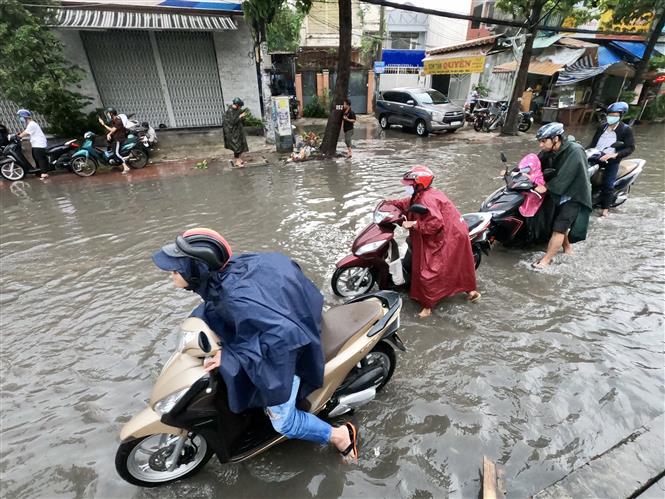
(33,70)
(657,62)
(655,109)
(284,30)
(259,14)
(315,109)
(627,96)
(250,119)
(580,10)
(202,165)
(624,11)
(482,90)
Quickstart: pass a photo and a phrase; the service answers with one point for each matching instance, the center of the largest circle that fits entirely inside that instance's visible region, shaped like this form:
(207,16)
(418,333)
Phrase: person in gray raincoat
(234,135)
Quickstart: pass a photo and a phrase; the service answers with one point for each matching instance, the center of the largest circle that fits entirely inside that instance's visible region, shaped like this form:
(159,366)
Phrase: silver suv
(424,109)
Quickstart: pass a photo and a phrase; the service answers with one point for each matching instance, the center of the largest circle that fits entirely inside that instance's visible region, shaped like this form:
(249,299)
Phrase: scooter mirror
(204,342)
(503,158)
(419,209)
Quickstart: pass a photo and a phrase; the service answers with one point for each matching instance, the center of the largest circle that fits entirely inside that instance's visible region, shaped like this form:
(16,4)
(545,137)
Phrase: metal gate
(166,78)
(357,89)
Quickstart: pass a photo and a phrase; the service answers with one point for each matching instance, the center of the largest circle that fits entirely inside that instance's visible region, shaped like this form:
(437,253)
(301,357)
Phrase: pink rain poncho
(530,165)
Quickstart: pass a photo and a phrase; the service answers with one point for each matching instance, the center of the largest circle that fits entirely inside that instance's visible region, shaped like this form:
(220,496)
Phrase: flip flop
(353,446)
(475,298)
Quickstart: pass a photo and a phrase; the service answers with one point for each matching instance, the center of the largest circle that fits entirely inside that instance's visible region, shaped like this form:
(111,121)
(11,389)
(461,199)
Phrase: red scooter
(375,255)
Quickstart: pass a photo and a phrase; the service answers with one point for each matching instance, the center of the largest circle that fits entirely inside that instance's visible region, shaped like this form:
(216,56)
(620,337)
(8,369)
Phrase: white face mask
(409,190)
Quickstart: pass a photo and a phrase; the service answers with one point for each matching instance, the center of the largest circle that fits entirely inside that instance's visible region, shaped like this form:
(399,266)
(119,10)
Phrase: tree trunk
(510,127)
(329,144)
(656,30)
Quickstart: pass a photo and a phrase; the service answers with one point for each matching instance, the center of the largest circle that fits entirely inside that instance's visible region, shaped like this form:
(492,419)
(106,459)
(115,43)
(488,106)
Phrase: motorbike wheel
(381,355)
(138,158)
(11,171)
(478,125)
(84,167)
(524,125)
(139,461)
(348,282)
(477,256)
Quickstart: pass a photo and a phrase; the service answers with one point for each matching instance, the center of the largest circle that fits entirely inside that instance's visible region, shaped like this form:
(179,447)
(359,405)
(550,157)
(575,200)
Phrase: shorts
(348,138)
(565,216)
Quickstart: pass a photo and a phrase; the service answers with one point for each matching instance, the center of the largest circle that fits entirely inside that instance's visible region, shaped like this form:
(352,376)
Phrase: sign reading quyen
(455,65)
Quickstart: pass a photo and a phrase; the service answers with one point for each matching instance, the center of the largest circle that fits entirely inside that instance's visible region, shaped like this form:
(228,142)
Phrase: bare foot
(605,213)
(125,170)
(341,439)
(541,264)
(43,176)
(473,296)
(425,312)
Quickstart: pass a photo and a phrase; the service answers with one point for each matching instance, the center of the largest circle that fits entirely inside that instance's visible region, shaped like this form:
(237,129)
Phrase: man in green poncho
(234,135)
(570,191)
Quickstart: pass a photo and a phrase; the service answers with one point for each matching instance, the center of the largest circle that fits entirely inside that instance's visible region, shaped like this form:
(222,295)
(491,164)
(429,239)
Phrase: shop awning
(113,19)
(394,57)
(581,70)
(607,56)
(546,64)
(632,50)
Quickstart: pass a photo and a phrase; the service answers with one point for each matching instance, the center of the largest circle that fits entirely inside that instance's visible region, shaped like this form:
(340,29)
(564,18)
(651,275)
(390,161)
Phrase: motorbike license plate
(455,123)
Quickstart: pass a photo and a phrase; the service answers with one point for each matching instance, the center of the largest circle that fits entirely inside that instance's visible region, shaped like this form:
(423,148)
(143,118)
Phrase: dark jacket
(624,134)
(268,316)
(234,133)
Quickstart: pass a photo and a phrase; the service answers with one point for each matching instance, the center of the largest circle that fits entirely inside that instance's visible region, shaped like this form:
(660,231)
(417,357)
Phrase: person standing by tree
(234,134)
(37,141)
(348,120)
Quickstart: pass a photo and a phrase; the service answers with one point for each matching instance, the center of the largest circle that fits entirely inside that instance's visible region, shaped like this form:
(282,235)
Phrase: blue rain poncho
(268,316)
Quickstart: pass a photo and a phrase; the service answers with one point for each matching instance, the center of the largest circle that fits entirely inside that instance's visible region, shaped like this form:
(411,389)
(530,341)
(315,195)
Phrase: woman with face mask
(606,135)
(441,257)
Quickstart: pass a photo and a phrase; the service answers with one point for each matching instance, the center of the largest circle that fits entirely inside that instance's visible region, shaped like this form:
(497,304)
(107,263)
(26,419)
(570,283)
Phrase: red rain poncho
(442,260)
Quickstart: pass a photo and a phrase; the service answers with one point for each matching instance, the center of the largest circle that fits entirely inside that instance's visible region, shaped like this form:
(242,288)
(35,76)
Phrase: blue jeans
(296,424)
(609,177)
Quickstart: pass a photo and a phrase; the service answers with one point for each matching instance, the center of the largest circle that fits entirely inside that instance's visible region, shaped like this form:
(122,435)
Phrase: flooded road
(547,370)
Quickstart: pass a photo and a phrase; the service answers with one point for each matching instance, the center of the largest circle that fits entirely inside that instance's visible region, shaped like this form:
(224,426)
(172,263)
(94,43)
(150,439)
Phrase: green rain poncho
(572,180)
(234,135)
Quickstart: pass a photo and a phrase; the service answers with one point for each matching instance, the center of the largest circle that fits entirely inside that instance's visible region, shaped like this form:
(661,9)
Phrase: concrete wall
(75,53)
(237,67)
(444,32)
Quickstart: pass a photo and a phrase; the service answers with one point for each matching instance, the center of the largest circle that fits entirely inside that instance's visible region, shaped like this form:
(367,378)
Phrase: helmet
(201,244)
(24,113)
(419,176)
(617,107)
(88,135)
(550,131)
(111,110)
(238,102)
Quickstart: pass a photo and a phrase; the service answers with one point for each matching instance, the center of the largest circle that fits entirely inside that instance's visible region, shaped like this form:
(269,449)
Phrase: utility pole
(379,51)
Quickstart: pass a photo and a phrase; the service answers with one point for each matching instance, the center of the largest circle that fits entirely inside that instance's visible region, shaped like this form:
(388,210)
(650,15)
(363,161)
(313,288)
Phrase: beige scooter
(188,418)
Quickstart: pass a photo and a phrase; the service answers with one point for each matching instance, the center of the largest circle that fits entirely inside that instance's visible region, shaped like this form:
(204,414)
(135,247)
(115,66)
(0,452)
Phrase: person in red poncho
(442,260)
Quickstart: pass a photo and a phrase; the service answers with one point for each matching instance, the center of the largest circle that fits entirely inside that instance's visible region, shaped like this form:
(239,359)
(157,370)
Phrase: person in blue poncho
(267,315)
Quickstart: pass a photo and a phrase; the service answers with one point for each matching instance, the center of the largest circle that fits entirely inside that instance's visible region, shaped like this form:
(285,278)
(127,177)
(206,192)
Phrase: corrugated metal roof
(546,68)
(478,42)
(575,43)
(541,42)
(107,19)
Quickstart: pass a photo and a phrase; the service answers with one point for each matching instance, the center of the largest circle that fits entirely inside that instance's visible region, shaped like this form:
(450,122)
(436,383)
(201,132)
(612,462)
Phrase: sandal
(473,296)
(353,446)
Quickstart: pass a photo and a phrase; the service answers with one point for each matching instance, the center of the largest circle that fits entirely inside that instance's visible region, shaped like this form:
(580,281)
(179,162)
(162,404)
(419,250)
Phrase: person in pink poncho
(530,166)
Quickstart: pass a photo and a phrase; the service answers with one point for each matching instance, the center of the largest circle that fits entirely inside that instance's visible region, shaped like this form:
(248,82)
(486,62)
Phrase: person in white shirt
(37,141)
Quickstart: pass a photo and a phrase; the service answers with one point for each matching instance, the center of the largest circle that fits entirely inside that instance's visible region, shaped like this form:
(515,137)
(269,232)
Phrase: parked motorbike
(376,256)
(509,227)
(188,418)
(89,157)
(488,121)
(293,107)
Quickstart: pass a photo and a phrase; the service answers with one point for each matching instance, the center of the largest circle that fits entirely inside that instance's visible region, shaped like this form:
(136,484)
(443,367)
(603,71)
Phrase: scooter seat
(340,324)
(625,167)
(473,220)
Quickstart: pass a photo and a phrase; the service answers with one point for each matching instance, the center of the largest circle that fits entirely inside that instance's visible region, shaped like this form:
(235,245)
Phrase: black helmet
(205,245)
(238,102)
(550,131)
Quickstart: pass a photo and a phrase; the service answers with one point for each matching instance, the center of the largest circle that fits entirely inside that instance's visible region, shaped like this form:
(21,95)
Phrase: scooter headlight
(167,403)
(368,248)
(380,216)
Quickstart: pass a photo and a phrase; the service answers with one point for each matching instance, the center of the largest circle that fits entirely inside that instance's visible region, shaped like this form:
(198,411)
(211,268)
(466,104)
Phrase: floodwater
(546,371)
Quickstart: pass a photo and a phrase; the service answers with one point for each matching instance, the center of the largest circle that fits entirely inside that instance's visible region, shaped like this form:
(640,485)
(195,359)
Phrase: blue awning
(607,56)
(394,57)
(631,51)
